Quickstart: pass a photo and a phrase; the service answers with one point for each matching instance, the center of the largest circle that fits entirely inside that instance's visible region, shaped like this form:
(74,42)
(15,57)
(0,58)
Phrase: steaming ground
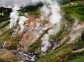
(35,39)
(53,17)
(50,11)
(53,14)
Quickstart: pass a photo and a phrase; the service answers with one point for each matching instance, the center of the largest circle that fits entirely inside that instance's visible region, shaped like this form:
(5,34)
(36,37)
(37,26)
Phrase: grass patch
(77,58)
(75,11)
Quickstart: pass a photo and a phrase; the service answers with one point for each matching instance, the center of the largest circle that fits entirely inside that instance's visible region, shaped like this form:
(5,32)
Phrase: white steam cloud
(45,44)
(14,16)
(51,12)
(22,20)
(45,12)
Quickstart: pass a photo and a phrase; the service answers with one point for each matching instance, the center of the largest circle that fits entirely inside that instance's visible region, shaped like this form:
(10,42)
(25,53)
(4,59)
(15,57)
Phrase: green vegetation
(77,58)
(35,46)
(75,11)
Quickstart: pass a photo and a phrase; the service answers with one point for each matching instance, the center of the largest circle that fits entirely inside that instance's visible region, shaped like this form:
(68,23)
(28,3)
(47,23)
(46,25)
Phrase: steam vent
(41,31)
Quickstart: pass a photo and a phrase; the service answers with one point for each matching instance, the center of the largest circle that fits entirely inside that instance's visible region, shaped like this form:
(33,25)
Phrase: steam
(45,12)
(14,16)
(22,20)
(45,44)
(51,12)
(55,10)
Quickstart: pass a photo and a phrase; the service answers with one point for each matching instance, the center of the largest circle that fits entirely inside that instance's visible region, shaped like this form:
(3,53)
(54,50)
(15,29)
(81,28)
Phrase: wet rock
(26,56)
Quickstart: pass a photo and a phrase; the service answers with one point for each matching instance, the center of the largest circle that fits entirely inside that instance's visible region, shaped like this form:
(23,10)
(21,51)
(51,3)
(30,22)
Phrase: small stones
(26,56)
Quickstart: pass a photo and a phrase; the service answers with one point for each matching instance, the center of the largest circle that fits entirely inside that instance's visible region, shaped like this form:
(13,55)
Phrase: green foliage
(35,46)
(79,57)
(74,11)
(55,56)
(5,36)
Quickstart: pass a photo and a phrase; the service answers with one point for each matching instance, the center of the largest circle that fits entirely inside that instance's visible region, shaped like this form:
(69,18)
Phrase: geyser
(51,12)
(22,20)
(14,16)
(45,43)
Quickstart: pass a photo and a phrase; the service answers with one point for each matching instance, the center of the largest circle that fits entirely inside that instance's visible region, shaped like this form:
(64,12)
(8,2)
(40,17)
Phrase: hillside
(46,32)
